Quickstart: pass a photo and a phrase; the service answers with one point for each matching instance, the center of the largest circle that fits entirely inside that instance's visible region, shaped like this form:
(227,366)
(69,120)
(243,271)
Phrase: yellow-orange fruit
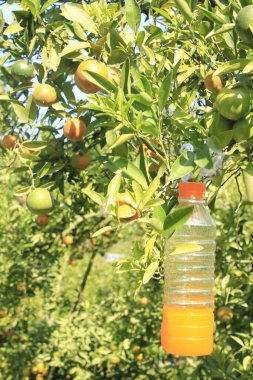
(80,161)
(144,301)
(40,367)
(74,129)
(44,95)
(68,240)
(9,142)
(81,80)
(93,242)
(213,83)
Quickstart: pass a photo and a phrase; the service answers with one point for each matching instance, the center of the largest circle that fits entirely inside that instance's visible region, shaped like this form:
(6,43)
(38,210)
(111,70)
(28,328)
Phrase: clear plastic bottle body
(187,327)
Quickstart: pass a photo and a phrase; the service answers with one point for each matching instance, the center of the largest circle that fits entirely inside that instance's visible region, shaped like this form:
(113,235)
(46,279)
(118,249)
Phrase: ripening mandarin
(80,161)
(213,83)
(44,95)
(74,129)
(9,142)
(68,240)
(81,79)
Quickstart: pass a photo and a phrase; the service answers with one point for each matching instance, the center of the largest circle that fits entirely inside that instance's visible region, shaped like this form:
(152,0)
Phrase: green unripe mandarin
(233,103)
(40,201)
(22,71)
(244,23)
(243,128)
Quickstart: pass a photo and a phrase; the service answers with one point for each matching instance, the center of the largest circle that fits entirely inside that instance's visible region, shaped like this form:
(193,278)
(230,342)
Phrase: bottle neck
(191,201)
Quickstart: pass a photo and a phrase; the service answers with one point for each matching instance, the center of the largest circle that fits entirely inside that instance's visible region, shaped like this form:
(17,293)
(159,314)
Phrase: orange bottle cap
(192,190)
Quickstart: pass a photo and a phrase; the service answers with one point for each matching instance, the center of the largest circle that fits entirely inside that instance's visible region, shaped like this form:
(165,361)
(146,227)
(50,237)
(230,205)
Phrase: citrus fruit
(93,242)
(22,70)
(140,357)
(233,103)
(68,239)
(114,75)
(40,367)
(144,301)
(74,129)
(114,359)
(42,220)
(9,142)
(80,161)
(107,233)
(213,83)
(94,66)
(2,313)
(243,24)
(219,127)
(243,128)
(136,348)
(40,201)
(21,288)
(225,314)
(44,95)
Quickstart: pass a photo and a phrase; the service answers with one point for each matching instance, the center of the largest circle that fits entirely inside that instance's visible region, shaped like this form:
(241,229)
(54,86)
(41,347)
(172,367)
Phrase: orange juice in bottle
(187,327)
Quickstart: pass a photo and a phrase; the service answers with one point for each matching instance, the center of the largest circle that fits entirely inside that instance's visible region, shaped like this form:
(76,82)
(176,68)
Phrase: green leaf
(127,168)
(150,245)
(23,191)
(21,112)
(122,139)
(211,16)
(74,47)
(249,168)
(44,170)
(203,158)
(138,193)
(94,196)
(164,91)
(47,4)
(151,190)
(176,219)
(133,14)
(221,29)
(150,271)
(125,211)
(231,66)
(100,81)
(248,68)
(183,165)
(184,8)
(102,230)
(113,187)
(159,213)
(13,28)
(153,203)
(237,340)
(185,248)
(75,12)
(34,6)
(35,145)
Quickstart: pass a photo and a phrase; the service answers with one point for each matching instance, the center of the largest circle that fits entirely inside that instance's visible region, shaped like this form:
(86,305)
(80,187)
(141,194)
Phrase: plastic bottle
(187,327)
